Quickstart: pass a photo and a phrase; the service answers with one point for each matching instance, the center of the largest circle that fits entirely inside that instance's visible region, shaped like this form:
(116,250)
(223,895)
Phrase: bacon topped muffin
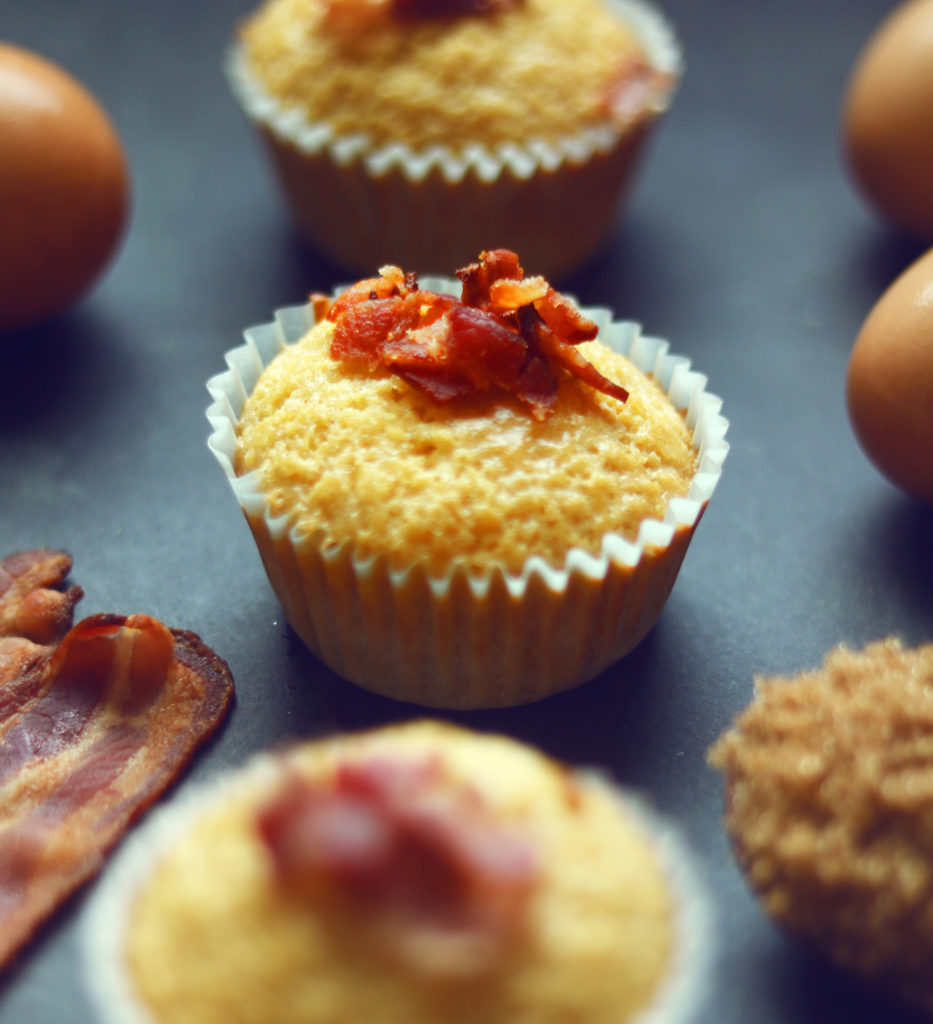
(408,875)
(436,480)
(417,130)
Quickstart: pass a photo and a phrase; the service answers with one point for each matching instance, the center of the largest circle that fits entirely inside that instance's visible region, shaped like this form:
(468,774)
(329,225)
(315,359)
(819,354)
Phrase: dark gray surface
(744,245)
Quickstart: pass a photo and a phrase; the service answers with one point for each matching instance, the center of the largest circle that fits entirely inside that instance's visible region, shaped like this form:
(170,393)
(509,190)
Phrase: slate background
(744,244)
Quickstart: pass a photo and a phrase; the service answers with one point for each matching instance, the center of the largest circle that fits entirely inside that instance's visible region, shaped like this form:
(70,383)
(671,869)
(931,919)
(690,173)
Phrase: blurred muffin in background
(422,131)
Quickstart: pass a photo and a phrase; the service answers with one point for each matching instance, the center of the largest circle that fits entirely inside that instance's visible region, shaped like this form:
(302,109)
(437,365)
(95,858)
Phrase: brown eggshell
(888,118)
(64,189)
(889,385)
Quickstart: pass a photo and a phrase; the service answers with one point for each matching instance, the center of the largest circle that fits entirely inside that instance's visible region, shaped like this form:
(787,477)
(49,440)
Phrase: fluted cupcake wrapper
(365,205)
(461,640)
(105,926)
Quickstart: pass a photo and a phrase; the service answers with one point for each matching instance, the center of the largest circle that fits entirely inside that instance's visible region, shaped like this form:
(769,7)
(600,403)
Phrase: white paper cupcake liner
(465,640)
(364,205)
(106,921)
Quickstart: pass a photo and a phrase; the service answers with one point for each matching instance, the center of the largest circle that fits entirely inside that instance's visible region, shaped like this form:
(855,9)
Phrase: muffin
(829,805)
(414,873)
(420,131)
(485,546)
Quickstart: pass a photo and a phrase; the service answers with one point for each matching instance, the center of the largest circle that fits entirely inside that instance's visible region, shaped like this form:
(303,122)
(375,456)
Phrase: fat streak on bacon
(92,729)
(507,333)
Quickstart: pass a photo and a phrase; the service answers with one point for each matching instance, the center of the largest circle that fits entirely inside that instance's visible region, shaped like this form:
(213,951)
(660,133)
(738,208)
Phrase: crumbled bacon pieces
(507,333)
(320,304)
(449,8)
(407,848)
(93,728)
(360,14)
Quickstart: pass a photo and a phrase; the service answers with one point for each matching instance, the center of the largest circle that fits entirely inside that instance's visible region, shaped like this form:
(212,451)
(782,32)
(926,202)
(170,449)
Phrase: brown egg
(888,118)
(889,385)
(64,189)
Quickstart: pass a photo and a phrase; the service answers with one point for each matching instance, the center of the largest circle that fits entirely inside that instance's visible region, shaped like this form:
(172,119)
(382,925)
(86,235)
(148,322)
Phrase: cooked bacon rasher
(507,333)
(36,609)
(33,603)
(92,730)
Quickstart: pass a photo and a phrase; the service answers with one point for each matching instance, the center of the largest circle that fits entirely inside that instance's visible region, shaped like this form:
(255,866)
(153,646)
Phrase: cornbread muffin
(400,81)
(829,804)
(358,457)
(417,130)
(413,873)
(485,536)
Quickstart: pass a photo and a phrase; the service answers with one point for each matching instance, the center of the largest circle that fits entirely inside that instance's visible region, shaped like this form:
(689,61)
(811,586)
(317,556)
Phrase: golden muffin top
(244,920)
(532,70)
(353,453)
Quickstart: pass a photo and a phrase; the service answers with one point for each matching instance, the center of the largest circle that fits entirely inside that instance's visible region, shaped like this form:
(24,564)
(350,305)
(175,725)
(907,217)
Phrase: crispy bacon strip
(565,355)
(18,655)
(35,611)
(510,293)
(392,282)
(416,854)
(508,333)
(477,279)
(564,319)
(90,735)
(32,603)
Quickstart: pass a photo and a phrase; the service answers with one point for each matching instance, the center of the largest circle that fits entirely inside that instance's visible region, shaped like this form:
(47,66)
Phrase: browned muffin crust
(829,804)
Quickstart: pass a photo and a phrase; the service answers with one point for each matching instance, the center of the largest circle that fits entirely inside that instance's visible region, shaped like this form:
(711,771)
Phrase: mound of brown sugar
(829,804)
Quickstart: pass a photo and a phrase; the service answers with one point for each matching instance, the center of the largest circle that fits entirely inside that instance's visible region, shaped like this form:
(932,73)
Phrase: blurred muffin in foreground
(418,873)
(420,131)
(829,805)
(456,505)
